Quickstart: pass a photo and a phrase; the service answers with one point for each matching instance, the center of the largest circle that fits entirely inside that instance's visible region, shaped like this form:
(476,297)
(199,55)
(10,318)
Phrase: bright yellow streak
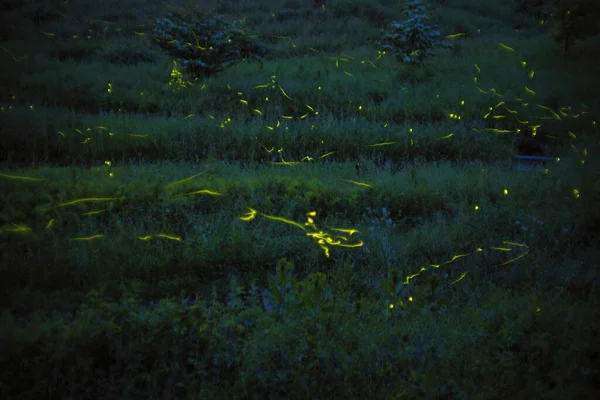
(327,154)
(93,212)
(477,68)
(206,191)
(496,93)
(22,178)
(359,244)
(184,180)
(505,47)
(284,93)
(85,200)
(529,91)
(86,238)
(460,277)
(456,257)
(250,215)
(555,115)
(138,136)
(19,228)
(455,35)
(501,248)
(290,163)
(268,151)
(160,235)
(358,183)
(448,136)
(50,223)
(287,221)
(381,144)
(348,231)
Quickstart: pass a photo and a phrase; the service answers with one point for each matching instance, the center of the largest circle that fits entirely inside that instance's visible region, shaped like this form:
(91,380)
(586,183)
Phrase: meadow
(327,222)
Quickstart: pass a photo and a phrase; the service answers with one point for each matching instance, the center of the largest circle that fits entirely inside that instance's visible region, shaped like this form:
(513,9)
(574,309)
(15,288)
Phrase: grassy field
(325,223)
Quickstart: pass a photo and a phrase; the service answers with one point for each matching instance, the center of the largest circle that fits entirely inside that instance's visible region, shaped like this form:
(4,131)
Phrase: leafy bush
(414,39)
(205,45)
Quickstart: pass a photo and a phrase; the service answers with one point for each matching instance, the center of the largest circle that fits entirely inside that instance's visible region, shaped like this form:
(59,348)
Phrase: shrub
(414,39)
(205,45)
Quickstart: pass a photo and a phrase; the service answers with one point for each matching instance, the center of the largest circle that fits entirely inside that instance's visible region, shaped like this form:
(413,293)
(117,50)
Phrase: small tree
(575,20)
(203,44)
(414,39)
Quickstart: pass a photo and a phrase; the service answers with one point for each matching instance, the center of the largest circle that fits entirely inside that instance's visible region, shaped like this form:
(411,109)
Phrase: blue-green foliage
(205,45)
(414,39)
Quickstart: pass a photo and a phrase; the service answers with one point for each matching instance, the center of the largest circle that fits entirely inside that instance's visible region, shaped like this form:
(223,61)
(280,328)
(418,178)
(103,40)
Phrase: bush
(414,39)
(205,45)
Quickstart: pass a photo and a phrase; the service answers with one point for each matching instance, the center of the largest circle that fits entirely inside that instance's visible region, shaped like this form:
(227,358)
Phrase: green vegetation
(329,222)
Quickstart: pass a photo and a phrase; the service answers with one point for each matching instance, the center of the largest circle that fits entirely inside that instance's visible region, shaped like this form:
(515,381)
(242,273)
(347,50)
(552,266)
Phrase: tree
(575,20)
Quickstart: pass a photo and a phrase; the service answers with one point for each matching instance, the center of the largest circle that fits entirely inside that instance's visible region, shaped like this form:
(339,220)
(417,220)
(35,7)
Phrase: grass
(354,227)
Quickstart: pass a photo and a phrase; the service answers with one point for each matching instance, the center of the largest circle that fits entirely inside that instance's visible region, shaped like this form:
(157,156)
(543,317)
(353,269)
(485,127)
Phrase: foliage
(535,8)
(575,20)
(414,39)
(124,54)
(205,45)
(132,268)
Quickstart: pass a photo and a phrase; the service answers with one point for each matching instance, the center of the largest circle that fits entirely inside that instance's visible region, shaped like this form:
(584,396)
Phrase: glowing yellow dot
(410,298)
(476,207)
(391,305)
(505,192)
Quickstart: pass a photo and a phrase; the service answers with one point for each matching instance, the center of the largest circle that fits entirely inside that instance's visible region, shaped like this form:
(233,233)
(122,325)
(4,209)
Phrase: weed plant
(331,222)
